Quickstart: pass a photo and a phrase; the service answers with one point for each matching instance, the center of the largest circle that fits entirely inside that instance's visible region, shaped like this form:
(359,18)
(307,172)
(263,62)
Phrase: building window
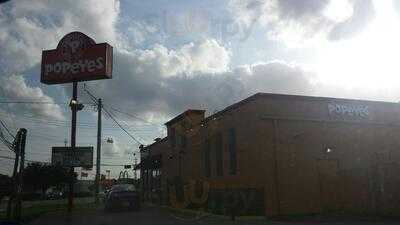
(156,177)
(173,140)
(218,154)
(183,141)
(206,159)
(232,151)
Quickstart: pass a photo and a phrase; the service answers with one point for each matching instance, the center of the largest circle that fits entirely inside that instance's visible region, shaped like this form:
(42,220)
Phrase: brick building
(278,154)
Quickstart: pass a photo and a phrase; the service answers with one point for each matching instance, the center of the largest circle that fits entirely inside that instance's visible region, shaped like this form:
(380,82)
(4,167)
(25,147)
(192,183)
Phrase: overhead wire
(127,132)
(3,139)
(28,102)
(136,117)
(27,160)
(6,128)
(94,99)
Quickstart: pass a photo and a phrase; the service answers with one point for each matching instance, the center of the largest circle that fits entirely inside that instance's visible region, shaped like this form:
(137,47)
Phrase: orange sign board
(76,58)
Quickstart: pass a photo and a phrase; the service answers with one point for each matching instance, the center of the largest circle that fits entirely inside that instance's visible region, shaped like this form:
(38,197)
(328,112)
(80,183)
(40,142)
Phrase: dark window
(183,141)
(206,160)
(173,141)
(218,154)
(232,151)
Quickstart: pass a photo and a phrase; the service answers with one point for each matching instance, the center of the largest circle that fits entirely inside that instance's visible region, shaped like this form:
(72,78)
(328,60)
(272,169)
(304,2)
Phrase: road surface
(159,216)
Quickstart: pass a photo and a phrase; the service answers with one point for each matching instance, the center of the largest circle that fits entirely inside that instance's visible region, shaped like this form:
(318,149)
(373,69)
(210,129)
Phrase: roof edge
(288,96)
(180,116)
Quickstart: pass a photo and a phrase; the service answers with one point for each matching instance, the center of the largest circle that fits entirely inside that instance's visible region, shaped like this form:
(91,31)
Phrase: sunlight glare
(368,60)
(338,10)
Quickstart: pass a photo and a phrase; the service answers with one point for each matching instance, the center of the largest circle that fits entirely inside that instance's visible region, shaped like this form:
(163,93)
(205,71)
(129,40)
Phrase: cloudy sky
(178,54)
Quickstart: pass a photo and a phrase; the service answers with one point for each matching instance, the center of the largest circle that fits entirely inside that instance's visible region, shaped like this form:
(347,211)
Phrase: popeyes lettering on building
(349,110)
(76,58)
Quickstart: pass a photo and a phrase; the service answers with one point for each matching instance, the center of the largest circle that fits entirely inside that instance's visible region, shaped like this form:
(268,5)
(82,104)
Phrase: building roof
(264,95)
(290,97)
(156,142)
(182,115)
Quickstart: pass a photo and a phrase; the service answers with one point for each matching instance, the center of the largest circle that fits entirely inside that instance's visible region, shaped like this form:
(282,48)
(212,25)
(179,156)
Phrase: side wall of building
(333,163)
(293,156)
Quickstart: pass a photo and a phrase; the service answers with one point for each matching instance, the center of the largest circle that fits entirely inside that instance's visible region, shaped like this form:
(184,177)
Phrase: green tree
(39,177)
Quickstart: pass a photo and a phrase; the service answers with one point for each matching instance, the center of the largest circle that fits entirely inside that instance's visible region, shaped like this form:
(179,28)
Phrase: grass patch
(34,209)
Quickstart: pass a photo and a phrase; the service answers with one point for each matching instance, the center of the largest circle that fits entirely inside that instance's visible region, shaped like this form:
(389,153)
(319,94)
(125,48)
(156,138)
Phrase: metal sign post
(73,143)
(77,58)
(98,154)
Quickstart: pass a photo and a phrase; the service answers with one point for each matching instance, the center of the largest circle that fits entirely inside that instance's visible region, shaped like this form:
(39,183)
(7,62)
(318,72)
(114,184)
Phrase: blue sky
(173,55)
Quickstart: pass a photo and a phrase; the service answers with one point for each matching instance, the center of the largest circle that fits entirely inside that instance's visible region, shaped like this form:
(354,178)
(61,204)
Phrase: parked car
(122,196)
(54,194)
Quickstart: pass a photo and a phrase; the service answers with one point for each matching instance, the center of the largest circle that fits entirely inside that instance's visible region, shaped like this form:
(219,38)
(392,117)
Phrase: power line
(34,161)
(94,98)
(136,117)
(6,128)
(12,158)
(29,102)
(61,123)
(130,135)
(6,157)
(114,164)
(8,144)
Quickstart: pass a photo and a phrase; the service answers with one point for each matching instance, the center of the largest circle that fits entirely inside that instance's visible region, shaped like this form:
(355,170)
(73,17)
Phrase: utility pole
(74,109)
(134,167)
(99,106)
(14,176)
(21,147)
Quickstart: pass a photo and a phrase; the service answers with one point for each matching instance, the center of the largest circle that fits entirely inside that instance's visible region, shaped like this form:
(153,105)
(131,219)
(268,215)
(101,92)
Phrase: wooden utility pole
(98,154)
(14,176)
(19,149)
(18,207)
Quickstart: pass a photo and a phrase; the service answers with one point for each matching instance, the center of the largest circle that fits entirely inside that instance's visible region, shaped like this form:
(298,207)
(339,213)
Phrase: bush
(32,196)
(84,194)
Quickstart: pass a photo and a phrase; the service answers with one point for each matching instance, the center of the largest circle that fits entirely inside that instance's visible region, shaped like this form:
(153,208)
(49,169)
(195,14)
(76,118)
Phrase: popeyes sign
(76,58)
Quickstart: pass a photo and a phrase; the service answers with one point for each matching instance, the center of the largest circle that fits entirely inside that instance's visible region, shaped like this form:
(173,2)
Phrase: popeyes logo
(349,110)
(76,58)
(73,45)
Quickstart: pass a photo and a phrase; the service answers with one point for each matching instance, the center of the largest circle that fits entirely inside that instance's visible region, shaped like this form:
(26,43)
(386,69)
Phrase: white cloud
(162,82)
(297,23)
(15,87)
(26,27)
(206,57)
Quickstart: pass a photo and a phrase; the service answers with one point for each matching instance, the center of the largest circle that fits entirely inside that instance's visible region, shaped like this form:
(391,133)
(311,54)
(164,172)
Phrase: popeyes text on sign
(76,58)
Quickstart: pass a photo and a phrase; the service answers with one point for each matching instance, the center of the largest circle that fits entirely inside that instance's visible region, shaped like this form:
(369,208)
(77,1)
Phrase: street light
(74,104)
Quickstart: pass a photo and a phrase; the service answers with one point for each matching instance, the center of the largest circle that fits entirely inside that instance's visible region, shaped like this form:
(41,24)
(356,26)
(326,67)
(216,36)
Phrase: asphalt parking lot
(152,215)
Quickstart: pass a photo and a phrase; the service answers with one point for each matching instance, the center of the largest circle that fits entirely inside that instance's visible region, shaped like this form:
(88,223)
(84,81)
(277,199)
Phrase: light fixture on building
(328,150)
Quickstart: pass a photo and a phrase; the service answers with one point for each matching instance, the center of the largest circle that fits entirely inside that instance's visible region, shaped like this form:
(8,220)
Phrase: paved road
(157,216)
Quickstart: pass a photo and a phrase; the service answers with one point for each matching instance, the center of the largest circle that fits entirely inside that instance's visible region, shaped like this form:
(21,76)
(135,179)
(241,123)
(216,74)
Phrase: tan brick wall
(295,133)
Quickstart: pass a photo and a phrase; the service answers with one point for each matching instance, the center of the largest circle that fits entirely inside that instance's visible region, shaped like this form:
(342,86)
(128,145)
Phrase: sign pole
(74,109)
(99,106)
(77,58)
